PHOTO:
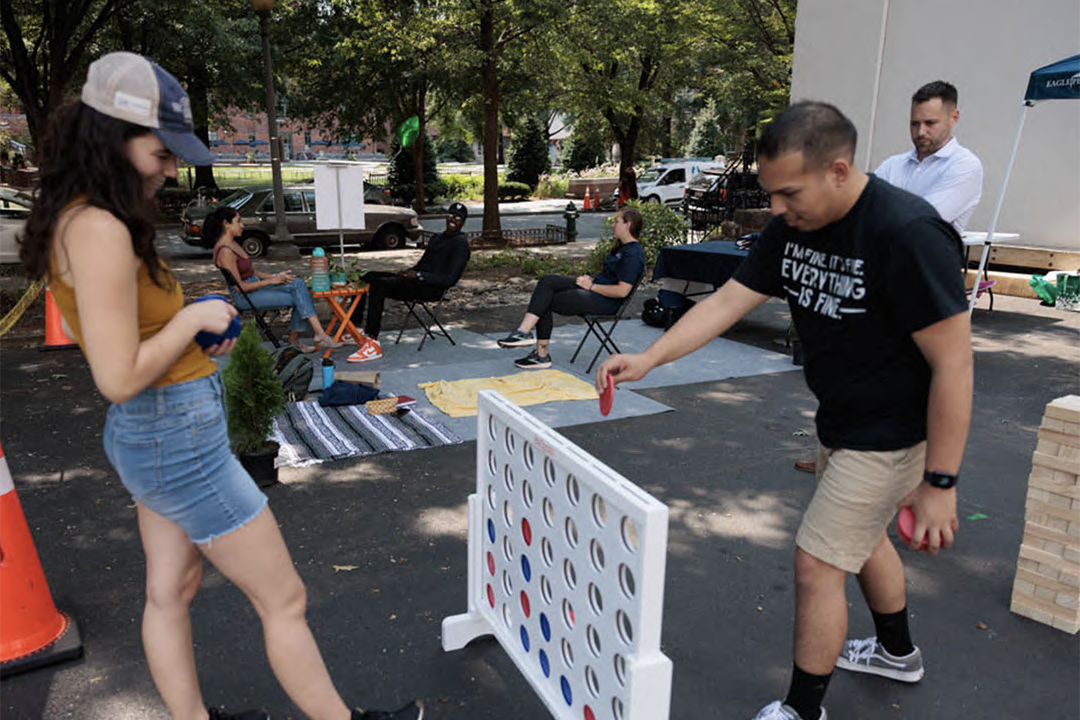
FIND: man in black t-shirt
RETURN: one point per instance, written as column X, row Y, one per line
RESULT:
column 870, row 273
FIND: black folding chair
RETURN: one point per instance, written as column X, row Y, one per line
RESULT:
column 595, row 326
column 258, row 314
column 429, row 307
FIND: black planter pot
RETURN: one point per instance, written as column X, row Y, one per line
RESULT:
column 260, row 465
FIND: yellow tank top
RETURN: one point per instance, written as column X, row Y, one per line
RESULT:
column 156, row 308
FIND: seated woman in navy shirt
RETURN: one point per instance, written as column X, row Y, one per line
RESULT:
column 600, row 295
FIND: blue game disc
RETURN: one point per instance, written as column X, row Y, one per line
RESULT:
column 525, row 638
column 491, row 530
column 544, row 664
column 526, row 569
column 545, row 627
column 206, row 339
column 567, row 695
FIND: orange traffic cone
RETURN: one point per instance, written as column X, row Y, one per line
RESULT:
column 587, row 205
column 55, row 337
column 32, row 632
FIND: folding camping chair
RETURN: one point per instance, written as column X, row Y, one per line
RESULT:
column 595, row 326
column 429, row 307
column 257, row 313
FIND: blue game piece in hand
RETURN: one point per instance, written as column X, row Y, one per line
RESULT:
column 207, row 339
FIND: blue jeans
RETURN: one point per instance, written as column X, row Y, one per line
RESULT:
column 170, row 447
column 294, row 294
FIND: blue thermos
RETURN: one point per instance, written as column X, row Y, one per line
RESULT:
column 327, row 373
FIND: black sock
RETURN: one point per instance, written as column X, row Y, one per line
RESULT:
column 806, row 693
column 892, row 632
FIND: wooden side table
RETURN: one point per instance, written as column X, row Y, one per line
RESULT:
column 343, row 302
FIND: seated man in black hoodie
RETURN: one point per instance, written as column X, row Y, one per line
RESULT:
column 439, row 268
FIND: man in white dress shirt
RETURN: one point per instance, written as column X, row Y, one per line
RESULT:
column 938, row 169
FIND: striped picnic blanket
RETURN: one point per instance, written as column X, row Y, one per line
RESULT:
column 309, row 433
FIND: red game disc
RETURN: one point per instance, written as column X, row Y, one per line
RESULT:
column 905, row 527
column 607, row 396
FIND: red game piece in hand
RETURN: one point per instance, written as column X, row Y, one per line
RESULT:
column 905, row 527
column 607, row 396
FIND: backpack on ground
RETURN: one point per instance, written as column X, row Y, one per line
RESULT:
column 665, row 310
column 295, row 370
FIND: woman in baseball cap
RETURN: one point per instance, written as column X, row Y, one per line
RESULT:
column 91, row 234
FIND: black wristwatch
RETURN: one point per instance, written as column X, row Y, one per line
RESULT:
column 941, row 480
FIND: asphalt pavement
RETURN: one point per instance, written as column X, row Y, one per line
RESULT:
column 396, row 523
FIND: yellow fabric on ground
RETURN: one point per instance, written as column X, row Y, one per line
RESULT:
column 457, row 398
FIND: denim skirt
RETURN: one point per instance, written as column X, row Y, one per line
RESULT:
column 170, row 447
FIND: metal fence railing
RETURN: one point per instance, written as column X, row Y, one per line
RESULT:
column 516, row 237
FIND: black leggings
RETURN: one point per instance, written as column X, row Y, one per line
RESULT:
column 559, row 293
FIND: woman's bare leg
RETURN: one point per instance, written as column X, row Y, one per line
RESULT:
column 173, row 572
column 528, row 322
column 255, row 558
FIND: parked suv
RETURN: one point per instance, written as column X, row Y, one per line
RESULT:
column 387, row 226
column 714, row 195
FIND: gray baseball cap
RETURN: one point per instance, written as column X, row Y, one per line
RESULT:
column 137, row 90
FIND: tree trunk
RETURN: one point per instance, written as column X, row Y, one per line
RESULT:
column 418, row 149
column 489, row 75
column 665, row 145
column 200, row 117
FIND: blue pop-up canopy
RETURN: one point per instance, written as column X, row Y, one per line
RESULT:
column 1057, row 81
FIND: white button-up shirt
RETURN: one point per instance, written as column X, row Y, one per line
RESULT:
column 950, row 180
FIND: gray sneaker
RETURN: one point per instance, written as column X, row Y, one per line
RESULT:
column 777, row 710
column 517, row 339
column 868, row 656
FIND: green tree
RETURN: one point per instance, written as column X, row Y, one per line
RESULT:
column 45, row 48
column 707, row 138
column 529, row 158
column 503, row 35
column 749, row 46
column 364, row 66
column 226, row 73
column 401, row 175
column 585, row 148
column 625, row 62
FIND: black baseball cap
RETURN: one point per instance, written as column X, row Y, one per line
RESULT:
column 458, row 209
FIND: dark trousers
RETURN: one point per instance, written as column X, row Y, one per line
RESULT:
column 382, row 285
column 560, row 294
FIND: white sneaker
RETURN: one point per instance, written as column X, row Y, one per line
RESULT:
column 868, row 656
column 777, row 710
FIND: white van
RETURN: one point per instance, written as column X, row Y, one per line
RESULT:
column 666, row 181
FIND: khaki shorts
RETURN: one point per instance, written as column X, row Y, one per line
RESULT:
column 855, row 500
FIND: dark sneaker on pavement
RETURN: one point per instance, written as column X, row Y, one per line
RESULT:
column 777, row 710
column 412, row 711
column 517, row 339
column 534, row 361
column 868, row 656
column 220, row 714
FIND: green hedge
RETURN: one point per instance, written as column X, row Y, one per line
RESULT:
column 514, row 191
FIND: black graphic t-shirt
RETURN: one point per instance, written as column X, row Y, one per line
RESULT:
column 857, row 289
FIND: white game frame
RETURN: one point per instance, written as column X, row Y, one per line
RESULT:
column 566, row 569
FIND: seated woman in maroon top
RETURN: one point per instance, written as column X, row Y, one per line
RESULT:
column 265, row 291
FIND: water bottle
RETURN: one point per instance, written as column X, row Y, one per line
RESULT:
column 320, row 271
column 327, row 373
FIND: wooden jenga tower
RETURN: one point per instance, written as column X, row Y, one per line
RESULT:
column 1047, row 585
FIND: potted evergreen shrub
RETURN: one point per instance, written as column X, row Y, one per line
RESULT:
column 253, row 396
